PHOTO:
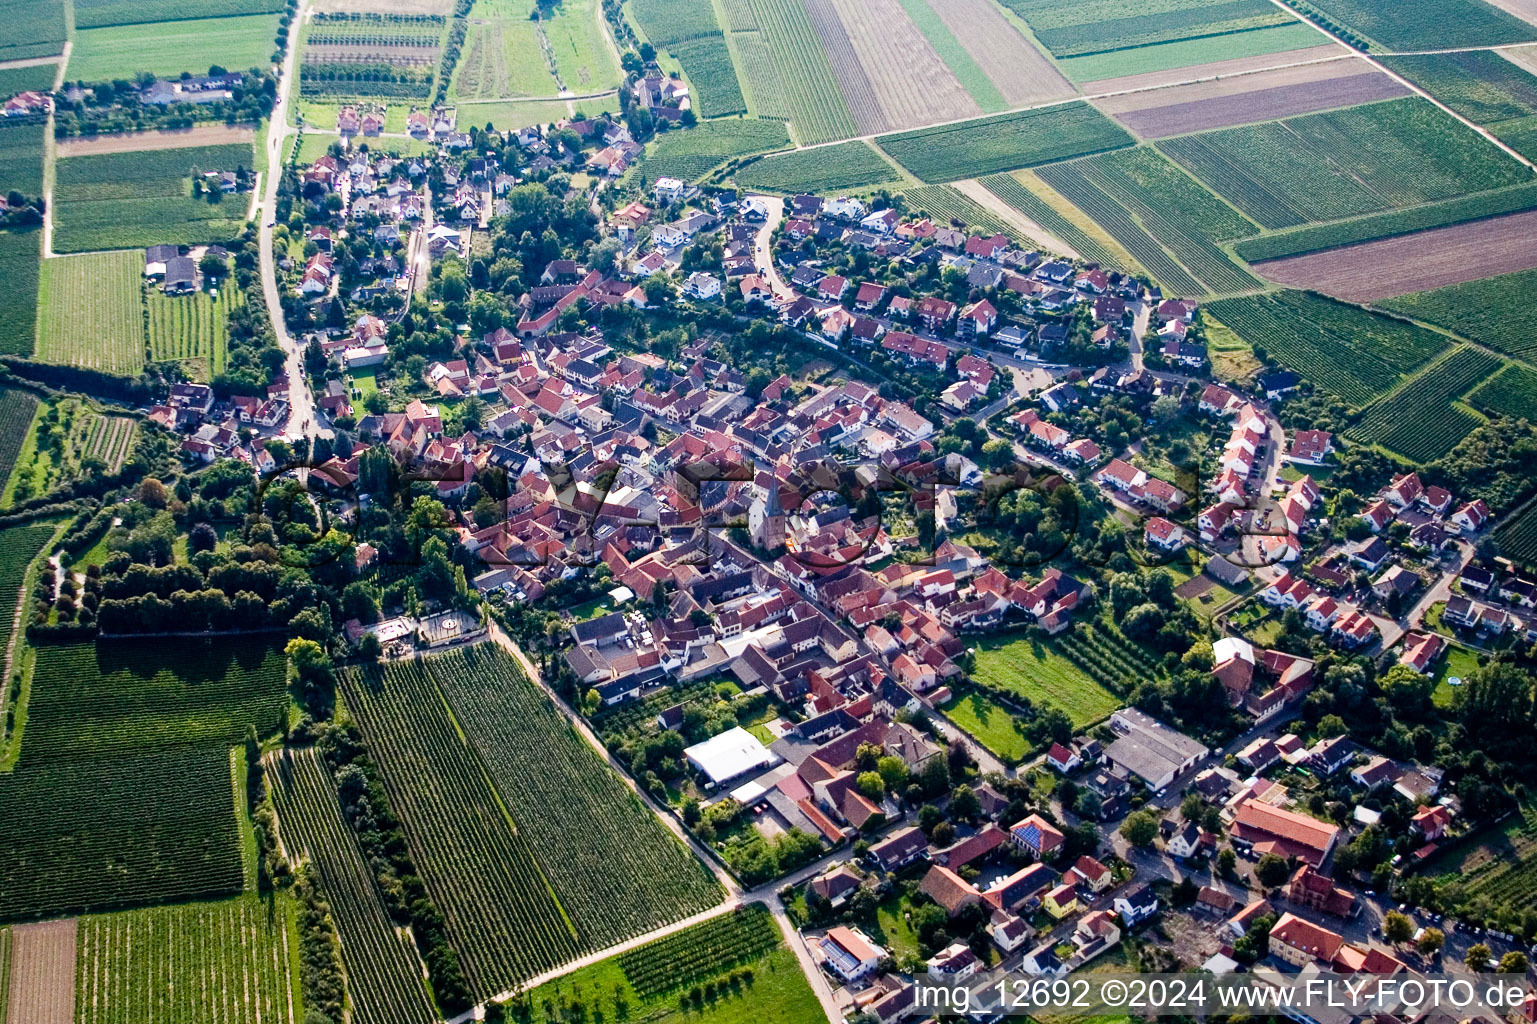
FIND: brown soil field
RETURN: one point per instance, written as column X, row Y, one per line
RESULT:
column 199, row 135
column 1526, row 10
column 858, row 90
column 1414, row 263
column 912, row 86
column 43, row 973
column 1217, row 69
column 1228, row 103
column 1020, row 71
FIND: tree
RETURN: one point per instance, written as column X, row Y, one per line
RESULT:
column 893, row 772
column 1272, row 870
column 1192, row 807
column 1397, row 928
column 1139, row 829
column 1478, row 957
column 1514, row 962
column 1431, row 940
column 202, row 538
column 870, row 784
column 964, row 804
column 1227, row 860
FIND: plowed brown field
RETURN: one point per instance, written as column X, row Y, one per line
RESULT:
column 43, row 973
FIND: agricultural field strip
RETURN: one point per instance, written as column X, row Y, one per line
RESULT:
column 913, row 85
column 1011, row 191
column 1495, row 311
column 836, row 44
column 1518, row 535
column 1417, row 419
column 1016, row 67
column 42, row 984
column 384, row 972
column 91, row 311
column 1511, row 392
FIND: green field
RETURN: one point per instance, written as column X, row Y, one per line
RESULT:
column 1343, row 349
column 1458, row 662
column 1482, row 86
column 1190, row 52
column 139, row 199
column 193, row 327
column 1168, row 222
column 64, row 434
column 990, row 723
column 1343, row 163
column 16, row 411
column 91, row 311
column 233, row 961
column 384, row 981
column 690, row 154
column 20, row 254
column 848, row 165
column 732, row 969
column 1004, row 142
column 582, row 53
column 519, row 890
column 1010, row 190
column 502, row 56
column 1419, row 420
column 19, row 545
column 170, row 47
column 1425, row 24
column 1389, row 224
column 1493, row 311
column 947, row 205
column 1517, row 536
column 1038, row 671
column 955, row 56
column 32, row 28
column 37, row 77
column 117, row 831
column 95, row 13
column 94, row 701
column 1104, row 26
column 21, row 158
column 1511, row 392
column 784, row 66
column 691, row 34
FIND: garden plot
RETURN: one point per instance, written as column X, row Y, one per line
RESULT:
column 1414, row 263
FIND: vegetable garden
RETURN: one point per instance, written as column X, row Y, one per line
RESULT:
column 1344, row 349
column 1004, row 142
column 1419, row 420
column 227, row 961
column 616, row 869
column 384, row 975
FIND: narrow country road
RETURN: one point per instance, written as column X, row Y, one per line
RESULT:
column 301, row 403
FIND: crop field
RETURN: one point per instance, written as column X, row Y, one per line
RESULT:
column 501, row 914
column 1482, row 86
column 616, row 869
column 582, row 54
column 5, row 969
column 21, row 158
column 796, row 74
column 990, row 723
column 502, row 56
column 1343, row 163
column 731, row 969
column 64, row 434
column 95, row 13
column 19, row 545
column 1100, row 26
column 117, row 831
column 1157, row 213
column 1412, row 24
column 1039, row 671
column 26, row 76
column 1492, row 311
column 384, row 980
column 1245, row 99
column 1011, row 191
column 940, row 33
column 1004, row 142
column 1343, row 349
column 91, row 311
column 1511, row 392
column 139, row 199
column 96, row 700
column 42, row 982
column 1419, row 420
column 690, row 155
column 1414, row 263
column 33, row 28
column 1014, row 67
column 1287, row 41
column 849, row 165
column 1499, row 864
column 168, row 48
column 192, row 327
column 16, row 411
column 945, row 205
column 1517, row 536
column 1316, row 238
column 707, row 63
column 20, row 255
column 228, row 961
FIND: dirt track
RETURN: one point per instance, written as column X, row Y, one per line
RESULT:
column 1236, row 66
column 1263, row 96
column 202, row 135
column 1414, row 263
column 43, row 973
column 1021, row 72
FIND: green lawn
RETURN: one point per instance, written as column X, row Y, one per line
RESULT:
column 1036, row 670
column 990, row 723
column 892, row 932
column 1458, row 662
column 171, row 47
